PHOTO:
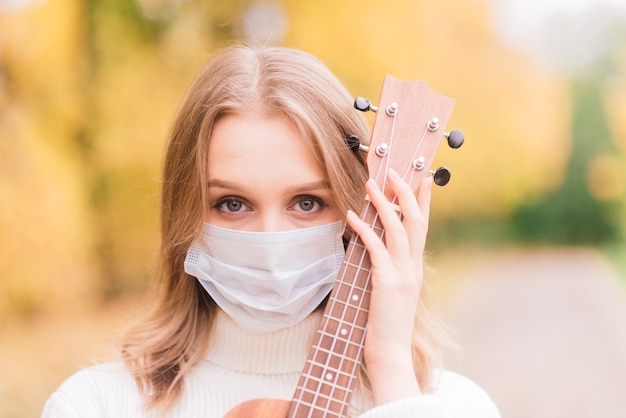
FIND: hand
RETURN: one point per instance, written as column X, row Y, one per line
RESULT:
column 397, row 276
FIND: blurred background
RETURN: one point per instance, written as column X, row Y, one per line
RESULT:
column 527, row 241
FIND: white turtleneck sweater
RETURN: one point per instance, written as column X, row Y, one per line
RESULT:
column 240, row 366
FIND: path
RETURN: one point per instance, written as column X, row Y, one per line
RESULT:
column 544, row 332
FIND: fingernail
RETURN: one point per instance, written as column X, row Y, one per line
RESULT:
column 393, row 173
column 373, row 184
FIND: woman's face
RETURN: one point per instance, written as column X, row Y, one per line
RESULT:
column 263, row 177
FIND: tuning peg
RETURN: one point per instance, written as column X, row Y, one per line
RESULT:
column 364, row 105
column 455, row 138
column 441, row 176
column 354, row 142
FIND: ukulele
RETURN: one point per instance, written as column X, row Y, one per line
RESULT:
column 405, row 136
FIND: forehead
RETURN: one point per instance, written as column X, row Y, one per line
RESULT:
column 261, row 149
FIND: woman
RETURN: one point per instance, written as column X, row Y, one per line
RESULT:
column 258, row 185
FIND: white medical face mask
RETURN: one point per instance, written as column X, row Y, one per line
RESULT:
column 266, row 281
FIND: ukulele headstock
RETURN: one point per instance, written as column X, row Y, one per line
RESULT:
column 409, row 125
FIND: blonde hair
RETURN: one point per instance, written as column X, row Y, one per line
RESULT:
column 173, row 337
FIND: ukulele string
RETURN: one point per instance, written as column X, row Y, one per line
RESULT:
column 386, row 170
column 368, row 206
column 408, row 174
column 410, row 171
column 354, row 292
column 357, row 241
column 333, row 301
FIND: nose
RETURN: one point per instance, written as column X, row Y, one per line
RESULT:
column 272, row 221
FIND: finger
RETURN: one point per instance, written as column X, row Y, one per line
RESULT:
column 424, row 194
column 395, row 234
column 414, row 210
column 405, row 195
column 373, row 244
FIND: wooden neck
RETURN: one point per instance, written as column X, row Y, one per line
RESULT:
column 327, row 381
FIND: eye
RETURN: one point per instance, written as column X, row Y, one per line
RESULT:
column 309, row 204
column 231, row 205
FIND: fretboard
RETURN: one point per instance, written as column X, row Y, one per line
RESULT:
column 327, row 381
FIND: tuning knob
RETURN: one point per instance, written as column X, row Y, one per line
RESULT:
column 441, row 176
column 364, row 105
column 455, row 138
column 354, row 142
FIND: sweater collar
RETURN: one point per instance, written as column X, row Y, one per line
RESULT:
column 282, row 351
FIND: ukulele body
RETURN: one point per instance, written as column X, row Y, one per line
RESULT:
column 260, row 408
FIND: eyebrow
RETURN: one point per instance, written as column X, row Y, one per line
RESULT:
column 306, row 187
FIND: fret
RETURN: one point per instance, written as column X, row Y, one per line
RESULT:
column 327, row 375
column 358, row 244
column 333, row 325
column 348, row 313
column 345, row 294
column 341, row 329
column 328, row 398
column 356, row 295
column 311, row 399
column 337, row 347
column 352, row 313
column 359, row 267
column 339, row 354
column 330, row 393
column 357, row 307
column 352, row 267
column 370, row 216
column 340, row 347
column 350, row 340
column 333, row 344
column 335, row 356
column 312, row 382
column 336, row 371
column 321, row 378
column 344, row 331
column 350, row 333
column 316, row 406
column 349, row 294
column 333, row 384
column 307, row 396
column 379, row 229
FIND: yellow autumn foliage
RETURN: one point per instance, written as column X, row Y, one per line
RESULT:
column 513, row 111
column 86, row 101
